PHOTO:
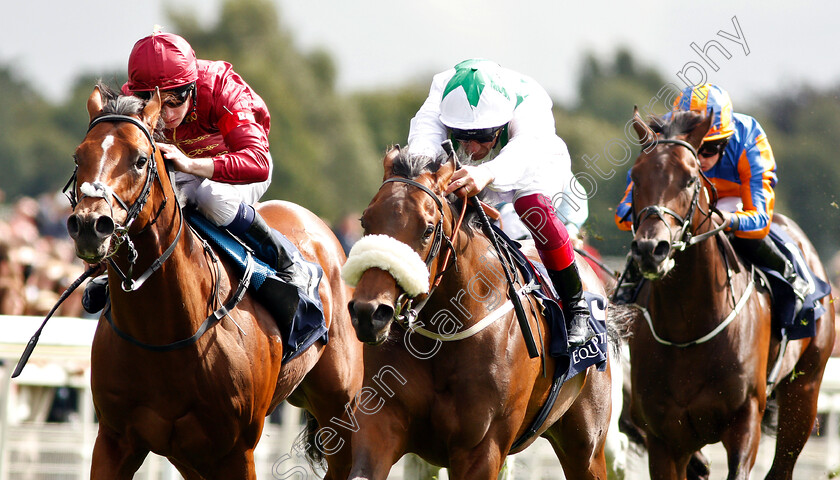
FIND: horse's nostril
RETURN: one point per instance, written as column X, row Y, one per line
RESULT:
column 104, row 226
column 73, row 226
column 662, row 249
column 383, row 313
column 634, row 248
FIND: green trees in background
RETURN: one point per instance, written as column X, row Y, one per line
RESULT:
column 328, row 146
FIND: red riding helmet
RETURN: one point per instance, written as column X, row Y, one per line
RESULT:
column 163, row 60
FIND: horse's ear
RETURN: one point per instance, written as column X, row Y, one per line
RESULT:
column 695, row 138
column 388, row 162
column 644, row 132
column 444, row 173
column 94, row 103
column 151, row 112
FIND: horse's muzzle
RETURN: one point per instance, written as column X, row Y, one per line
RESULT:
column 91, row 231
column 651, row 255
column 371, row 320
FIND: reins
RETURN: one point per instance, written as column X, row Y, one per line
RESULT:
column 406, row 315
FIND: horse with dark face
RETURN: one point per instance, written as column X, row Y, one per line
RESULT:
column 173, row 374
column 700, row 363
column 460, row 390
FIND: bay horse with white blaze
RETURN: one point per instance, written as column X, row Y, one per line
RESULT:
column 202, row 402
column 456, row 395
column 701, row 361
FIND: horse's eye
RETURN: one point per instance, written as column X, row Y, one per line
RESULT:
column 430, row 229
column 141, row 161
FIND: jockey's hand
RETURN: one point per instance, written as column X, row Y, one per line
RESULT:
column 726, row 218
column 202, row 167
column 469, row 180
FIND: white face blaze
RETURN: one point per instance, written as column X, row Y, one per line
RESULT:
column 391, row 255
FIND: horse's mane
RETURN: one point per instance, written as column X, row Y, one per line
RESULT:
column 411, row 165
column 115, row 103
column 677, row 123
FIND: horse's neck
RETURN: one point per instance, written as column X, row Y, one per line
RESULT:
column 178, row 290
column 475, row 286
column 698, row 282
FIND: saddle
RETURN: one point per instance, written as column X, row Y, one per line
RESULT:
column 788, row 322
column 300, row 325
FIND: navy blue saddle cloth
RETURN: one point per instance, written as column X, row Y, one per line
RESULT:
column 568, row 362
column 308, row 325
column 800, row 324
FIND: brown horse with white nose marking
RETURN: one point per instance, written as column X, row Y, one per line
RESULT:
column 460, row 393
column 699, row 365
column 199, row 387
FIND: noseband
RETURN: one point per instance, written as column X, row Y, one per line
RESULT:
column 685, row 237
column 120, row 234
column 404, row 303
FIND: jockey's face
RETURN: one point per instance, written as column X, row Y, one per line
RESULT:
column 173, row 113
column 706, row 163
column 478, row 150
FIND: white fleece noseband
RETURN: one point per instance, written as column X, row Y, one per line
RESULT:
column 391, row 255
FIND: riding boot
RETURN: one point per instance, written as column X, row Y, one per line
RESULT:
column 279, row 294
column 629, row 283
column 764, row 252
column 570, row 289
column 96, row 294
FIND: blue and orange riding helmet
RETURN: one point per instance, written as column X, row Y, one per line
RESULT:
column 710, row 100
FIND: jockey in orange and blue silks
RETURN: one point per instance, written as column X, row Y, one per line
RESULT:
column 736, row 157
column 504, row 120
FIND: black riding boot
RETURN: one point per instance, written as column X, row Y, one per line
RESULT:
column 278, row 294
column 763, row 252
column 570, row 289
column 628, row 286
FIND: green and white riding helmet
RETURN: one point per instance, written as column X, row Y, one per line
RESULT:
column 475, row 98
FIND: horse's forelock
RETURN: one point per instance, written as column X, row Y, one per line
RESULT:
column 412, row 165
column 115, row 103
column 679, row 123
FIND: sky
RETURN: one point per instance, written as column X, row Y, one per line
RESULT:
column 758, row 48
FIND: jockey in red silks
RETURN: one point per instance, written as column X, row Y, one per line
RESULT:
column 216, row 138
column 485, row 107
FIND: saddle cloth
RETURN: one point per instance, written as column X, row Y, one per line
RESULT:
column 308, row 325
column 800, row 324
column 568, row 362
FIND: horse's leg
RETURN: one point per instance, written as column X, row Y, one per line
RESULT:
column 113, row 459
column 579, row 436
column 663, row 464
column 483, row 462
column 797, row 398
column 237, row 464
column 741, row 440
column 377, row 444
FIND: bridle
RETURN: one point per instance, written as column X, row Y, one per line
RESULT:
column 686, row 239
column 405, row 311
column 685, row 236
column 121, row 232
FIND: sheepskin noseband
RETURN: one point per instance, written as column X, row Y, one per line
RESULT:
column 391, row 255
